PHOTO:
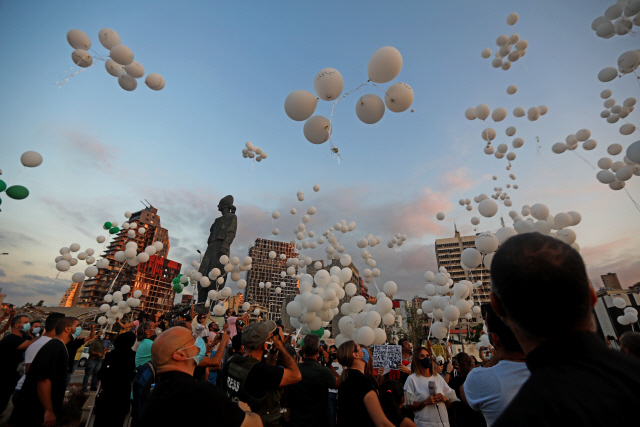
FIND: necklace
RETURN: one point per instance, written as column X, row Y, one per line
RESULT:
column 65, row 346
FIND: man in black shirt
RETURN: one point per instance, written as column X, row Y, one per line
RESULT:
column 73, row 346
column 40, row 400
column 12, row 349
column 256, row 382
column 309, row 399
column 178, row 399
column 575, row 379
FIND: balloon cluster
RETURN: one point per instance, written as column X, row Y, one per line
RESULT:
column 505, row 56
column 115, row 306
column 447, row 302
column 65, row 261
column 624, row 17
column 120, row 63
column 29, row 159
column 385, row 65
column 398, row 240
column 628, row 62
column 614, row 112
column 252, row 152
column 488, row 134
column 572, row 141
column 630, row 314
column 617, row 173
column 131, row 255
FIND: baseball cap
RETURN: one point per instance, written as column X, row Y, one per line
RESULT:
column 439, row 359
column 255, row 334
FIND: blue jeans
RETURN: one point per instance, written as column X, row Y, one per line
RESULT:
column 93, row 366
column 333, row 407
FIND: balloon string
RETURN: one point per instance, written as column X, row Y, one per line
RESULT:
column 76, row 73
column 585, row 160
column 634, row 202
column 14, row 177
column 54, row 280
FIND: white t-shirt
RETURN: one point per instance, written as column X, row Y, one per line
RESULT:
column 338, row 368
column 490, row 390
column 30, row 354
column 417, row 389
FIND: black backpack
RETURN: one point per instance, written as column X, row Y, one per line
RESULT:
column 143, row 383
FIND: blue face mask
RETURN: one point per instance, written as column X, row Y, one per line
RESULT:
column 77, row 333
column 201, row 354
column 26, row 327
column 36, row 331
column 366, row 355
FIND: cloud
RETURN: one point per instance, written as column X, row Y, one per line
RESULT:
column 2, row 273
column 619, row 256
column 16, row 239
column 33, row 288
column 88, row 146
column 27, row 262
column 456, row 181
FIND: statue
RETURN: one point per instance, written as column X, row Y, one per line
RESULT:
column 223, row 231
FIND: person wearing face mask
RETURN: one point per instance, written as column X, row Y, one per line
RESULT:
column 358, row 402
column 175, row 354
column 30, row 354
column 34, row 331
column 12, row 349
column 39, row 403
column 146, row 336
column 74, row 346
column 427, row 392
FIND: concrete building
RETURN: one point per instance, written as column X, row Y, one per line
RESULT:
column 448, row 252
column 610, row 281
column 266, row 270
column 153, row 277
column 70, row 297
column 235, row 302
column 607, row 314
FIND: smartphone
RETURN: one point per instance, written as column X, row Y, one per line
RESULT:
column 432, row 388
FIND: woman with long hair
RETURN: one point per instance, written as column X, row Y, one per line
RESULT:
column 427, row 392
column 392, row 402
column 358, row 403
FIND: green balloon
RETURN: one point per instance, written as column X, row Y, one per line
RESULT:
column 17, row 192
column 107, row 225
column 180, row 275
column 114, row 230
column 318, row 332
column 0, row 201
column 3, row 186
column 176, row 281
column 177, row 288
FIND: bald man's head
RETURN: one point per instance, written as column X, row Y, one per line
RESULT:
column 164, row 351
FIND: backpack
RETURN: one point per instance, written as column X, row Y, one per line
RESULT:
column 143, row 383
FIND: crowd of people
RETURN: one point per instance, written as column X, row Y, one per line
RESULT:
column 541, row 369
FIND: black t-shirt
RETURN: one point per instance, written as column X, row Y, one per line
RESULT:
column 72, row 347
column 351, row 408
column 10, row 358
column 309, row 399
column 179, row 400
column 50, row 363
column 576, row 381
column 262, row 378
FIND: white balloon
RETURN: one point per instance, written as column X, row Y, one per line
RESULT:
column 619, row 302
column 398, row 97
column 440, row 216
column 439, row 330
column 614, row 149
column 127, row 82
column 510, row 131
column 108, row 38
column 487, row 209
column 489, row 134
column 482, row 111
column 370, row 108
column 633, row 152
column 470, row 113
column 627, row 129
column 512, row 89
column 486, row 53
column 540, row 211
column 566, row 235
column 486, row 242
column 328, row 84
column 512, row 18
column 121, row 54
column 155, row 81
column 317, row 129
column 91, row 271
column 78, row 39
column 471, row 257
column 81, row 58
column 499, row 114
column 32, row 159
column 135, row 69
column 384, row 65
column 77, row 277
column 607, row 74
column 300, row 105
column 589, row 145
column 606, row 176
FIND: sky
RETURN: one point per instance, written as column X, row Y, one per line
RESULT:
column 228, row 67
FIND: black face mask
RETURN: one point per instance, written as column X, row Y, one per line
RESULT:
column 426, row 363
